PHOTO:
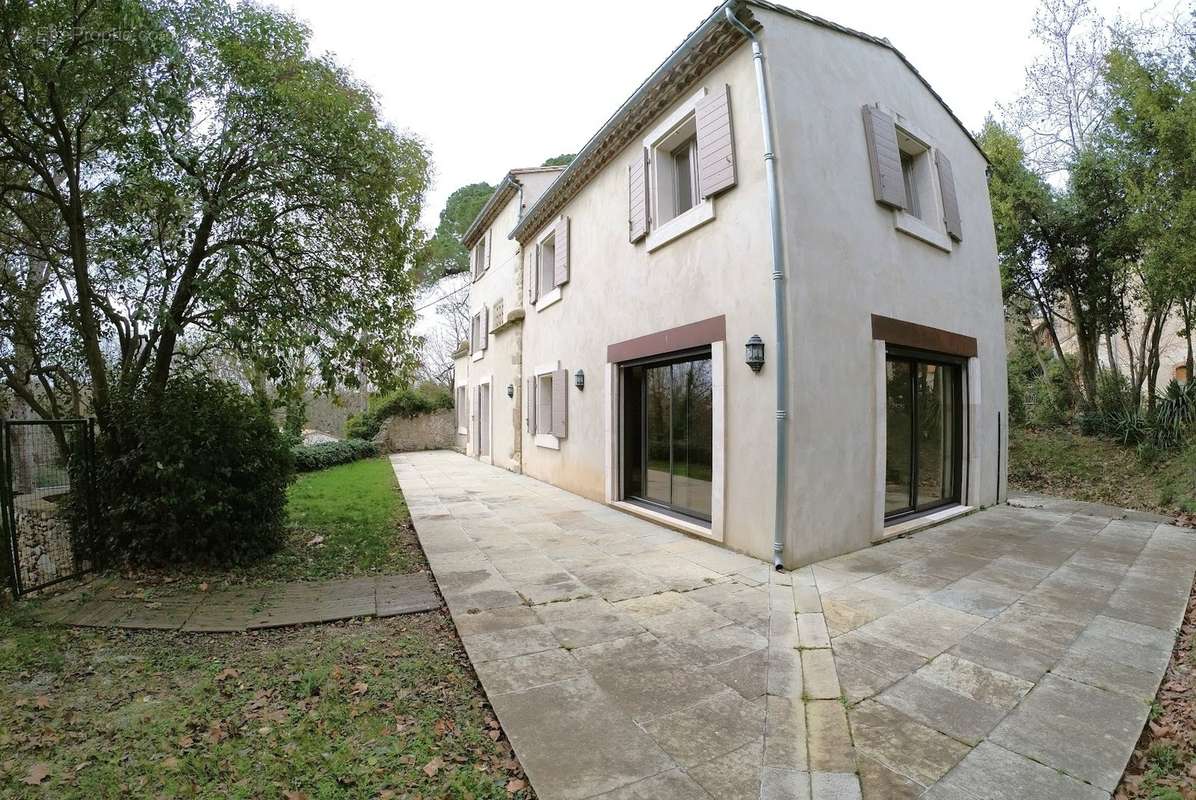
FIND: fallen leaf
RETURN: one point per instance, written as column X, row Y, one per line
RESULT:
column 216, row 734
column 443, row 727
column 495, row 734
column 228, row 672
column 203, row 587
column 433, row 766
column 170, row 762
column 186, row 742
column 359, row 689
column 41, row 701
column 37, row 773
column 294, row 796
column 515, row 785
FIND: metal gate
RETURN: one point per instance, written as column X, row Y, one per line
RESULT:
column 47, row 500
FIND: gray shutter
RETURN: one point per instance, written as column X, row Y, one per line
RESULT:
column 560, row 269
column 473, row 333
column 484, row 327
column 716, row 144
column 888, row 185
column 489, row 247
column 950, row 200
column 560, row 403
column 637, row 198
column 533, row 274
column 477, row 422
column 529, row 400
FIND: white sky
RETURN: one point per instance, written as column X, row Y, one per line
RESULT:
column 494, row 85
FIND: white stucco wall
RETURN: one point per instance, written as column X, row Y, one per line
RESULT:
column 847, row 262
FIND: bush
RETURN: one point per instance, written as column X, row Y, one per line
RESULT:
column 406, row 402
column 1050, row 400
column 199, row 474
column 312, row 457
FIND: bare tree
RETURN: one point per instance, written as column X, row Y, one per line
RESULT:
column 449, row 326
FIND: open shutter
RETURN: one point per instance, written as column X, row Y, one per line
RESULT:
column 533, row 274
column 475, row 437
column 888, row 185
column 560, row 403
column 716, row 145
column 637, row 198
column 529, row 401
column 560, row 270
column 484, row 328
column 950, row 200
column 489, row 247
column 473, row 333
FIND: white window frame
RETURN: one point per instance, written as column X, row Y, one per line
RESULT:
column 546, row 298
column 546, row 440
column 661, row 142
column 488, row 382
column 478, row 256
column 476, row 321
column 928, row 225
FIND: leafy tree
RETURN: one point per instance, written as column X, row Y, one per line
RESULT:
column 446, row 254
column 562, row 160
column 190, row 179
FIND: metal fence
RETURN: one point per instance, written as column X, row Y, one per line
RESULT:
column 47, row 500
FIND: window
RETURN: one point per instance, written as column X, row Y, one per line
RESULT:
column 676, row 160
column 548, row 405
column 462, row 410
column 544, row 403
column 915, row 174
column 479, row 257
column 923, row 428
column 477, row 333
column 545, row 266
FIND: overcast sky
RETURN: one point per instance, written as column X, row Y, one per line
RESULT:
column 491, row 85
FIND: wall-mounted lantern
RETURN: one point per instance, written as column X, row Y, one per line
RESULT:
column 579, row 379
column 754, row 357
column 510, row 390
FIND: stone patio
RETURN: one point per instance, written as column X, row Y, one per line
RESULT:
column 116, row 603
column 1011, row 653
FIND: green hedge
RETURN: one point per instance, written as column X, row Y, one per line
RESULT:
column 407, row 402
column 312, row 457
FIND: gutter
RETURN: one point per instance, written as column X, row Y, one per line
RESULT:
column 778, row 293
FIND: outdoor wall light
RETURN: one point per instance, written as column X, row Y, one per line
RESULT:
column 579, row 379
column 510, row 390
column 755, row 353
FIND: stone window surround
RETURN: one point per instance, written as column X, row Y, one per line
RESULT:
column 546, row 440
column 661, row 233
column 930, row 228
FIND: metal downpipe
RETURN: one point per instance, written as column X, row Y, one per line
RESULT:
column 778, row 294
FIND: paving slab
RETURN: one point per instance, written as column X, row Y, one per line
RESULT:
column 995, row 773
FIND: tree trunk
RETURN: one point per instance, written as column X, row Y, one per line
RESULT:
column 1186, row 306
column 1113, row 365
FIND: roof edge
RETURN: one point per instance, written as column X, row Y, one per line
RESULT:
column 502, row 193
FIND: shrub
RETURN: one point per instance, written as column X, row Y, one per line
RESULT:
column 198, row 474
column 1050, row 399
column 406, row 402
column 311, row 457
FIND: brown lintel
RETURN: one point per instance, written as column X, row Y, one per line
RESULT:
column 922, row 337
column 695, row 334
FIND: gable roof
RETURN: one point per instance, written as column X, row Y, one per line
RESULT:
column 503, row 192
column 707, row 45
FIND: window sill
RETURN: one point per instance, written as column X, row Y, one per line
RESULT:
column 548, row 299
column 548, row 441
column 912, row 226
column 922, row 522
column 479, row 355
column 680, row 225
column 668, row 520
column 462, row 431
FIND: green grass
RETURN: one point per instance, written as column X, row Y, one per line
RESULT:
column 1065, row 463
column 360, row 709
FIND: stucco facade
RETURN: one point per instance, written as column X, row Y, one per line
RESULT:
column 847, row 262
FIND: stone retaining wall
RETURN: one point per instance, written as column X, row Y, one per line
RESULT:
column 435, row 431
column 44, row 542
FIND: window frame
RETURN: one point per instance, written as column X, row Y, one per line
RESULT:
column 677, row 129
column 546, row 296
column 478, row 256
column 927, row 224
column 542, row 375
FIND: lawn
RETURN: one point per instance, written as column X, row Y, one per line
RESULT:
column 1065, row 463
column 362, row 709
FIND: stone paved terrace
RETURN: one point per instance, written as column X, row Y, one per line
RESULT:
column 1009, row 654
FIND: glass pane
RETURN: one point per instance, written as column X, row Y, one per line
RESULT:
column 899, row 410
column 693, row 435
column 658, row 434
column 683, row 177
column 936, row 432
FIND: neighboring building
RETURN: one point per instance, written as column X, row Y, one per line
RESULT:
column 630, row 286
column 1173, row 346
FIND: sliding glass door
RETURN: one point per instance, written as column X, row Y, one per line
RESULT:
column 924, row 431
column 668, row 434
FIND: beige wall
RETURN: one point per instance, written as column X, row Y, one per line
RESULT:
column 845, row 260
column 434, row 431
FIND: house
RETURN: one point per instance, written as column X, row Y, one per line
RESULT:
column 768, row 319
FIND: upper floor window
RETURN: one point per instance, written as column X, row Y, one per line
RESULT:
column 546, row 265
column 676, row 158
column 915, row 174
column 479, row 257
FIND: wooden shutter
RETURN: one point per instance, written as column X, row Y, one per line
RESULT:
column 473, row 333
column 560, row 269
column 533, row 276
column 560, row 403
column 477, row 422
column 637, row 198
column 888, row 185
column 484, row 328
column 950, row 200
column 716, row 144
column 489, row 247
column 529, row 400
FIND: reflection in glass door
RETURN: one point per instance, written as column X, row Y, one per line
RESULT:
column 669, row 433
column 923, row 432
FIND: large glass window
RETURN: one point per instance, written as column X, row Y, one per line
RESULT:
column 668, row 434
column 923, row 431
